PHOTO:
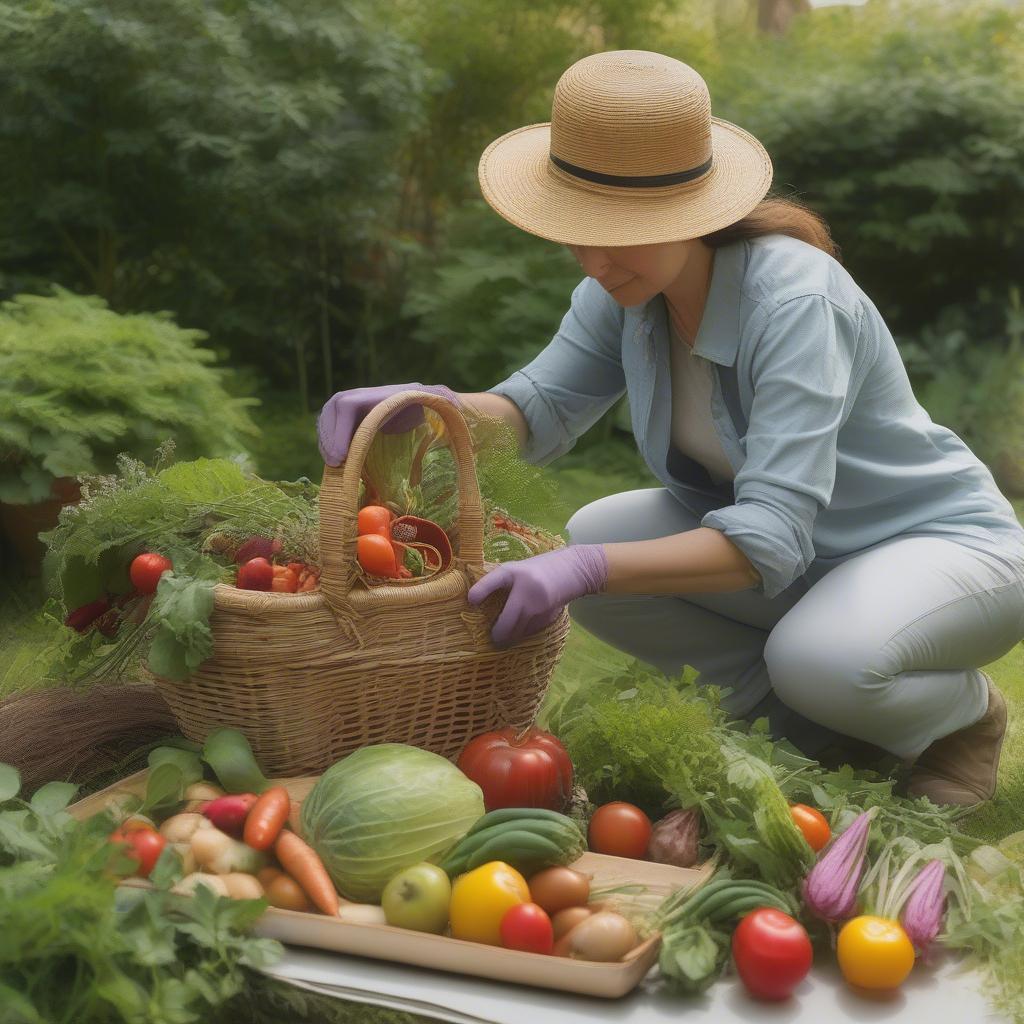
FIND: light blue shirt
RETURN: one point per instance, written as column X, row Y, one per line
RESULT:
column 811, row 402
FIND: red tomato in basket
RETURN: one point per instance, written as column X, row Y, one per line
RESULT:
column 375, row 519
column 146, row 570
column 256, row 574
column 377, row 555
column 284, row 581
column 530, row 769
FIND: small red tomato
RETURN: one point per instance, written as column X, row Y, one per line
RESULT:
column 527, row 927
column 621, row 830
column 813, row 824
column 375, row 519
column 142, row 845
column 772, row 953
column 256, row 574
column 146, row 570
column 377, row 555
column 285, row 581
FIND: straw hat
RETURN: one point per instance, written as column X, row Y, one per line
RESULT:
column 631, row 156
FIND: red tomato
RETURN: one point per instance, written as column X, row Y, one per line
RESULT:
column 528, row 928
column 772, row 953
column 813, row 824
column 256, row 574
column 284, row 580
column 142, row 845
column 620, row 829
column 377, row 555
column 530, row 769
column 146, row 570
column 375, row 519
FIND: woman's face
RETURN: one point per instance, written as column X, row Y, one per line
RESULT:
column 634, row 274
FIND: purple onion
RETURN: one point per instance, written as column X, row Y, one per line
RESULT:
column 830, row 890
column 926, row 903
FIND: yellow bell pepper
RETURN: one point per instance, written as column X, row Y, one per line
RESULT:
column 480, row 899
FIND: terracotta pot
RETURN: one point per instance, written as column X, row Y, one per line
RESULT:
column 23, row 523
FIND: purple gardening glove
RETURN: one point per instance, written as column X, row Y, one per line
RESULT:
column 343, row 412
column 540, row 587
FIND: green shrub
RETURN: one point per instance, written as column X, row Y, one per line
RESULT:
column 80, row 383
column 900, row 122
column 975, row 386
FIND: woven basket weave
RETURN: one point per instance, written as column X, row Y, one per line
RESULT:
column 308, row 678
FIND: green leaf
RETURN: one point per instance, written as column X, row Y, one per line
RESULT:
column 18, row 1009
column 205, row 480
column 183, row 640
column 165, row 789
column 168, row 868
column 16, row 837
column 52, row 798
column 167, row 656
column 10, row 782
column 186, row 761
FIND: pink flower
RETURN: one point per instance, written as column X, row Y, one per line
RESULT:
column 926, row 903
column 830, row 890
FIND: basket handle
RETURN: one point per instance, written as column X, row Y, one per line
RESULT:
column 339, row 514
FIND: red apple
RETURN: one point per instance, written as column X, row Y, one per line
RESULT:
column 256, row 574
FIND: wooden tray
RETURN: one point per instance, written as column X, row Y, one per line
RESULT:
column 383, row 942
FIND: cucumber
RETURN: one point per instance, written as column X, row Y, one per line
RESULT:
column 549, row 838
column 707, row 904
column 524, row 851
column 742, row 905
column 691, row 907
column 506, row 814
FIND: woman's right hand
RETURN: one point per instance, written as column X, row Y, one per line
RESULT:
column 343, row 412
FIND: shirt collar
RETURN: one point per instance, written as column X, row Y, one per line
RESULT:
column 718, row 337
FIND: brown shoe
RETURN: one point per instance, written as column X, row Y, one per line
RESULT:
column 961, row 768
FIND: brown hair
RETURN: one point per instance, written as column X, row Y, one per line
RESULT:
column 776, row 215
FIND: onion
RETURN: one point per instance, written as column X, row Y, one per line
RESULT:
column 554, row 889
column 242, row 886
column 604, row 937
column 565, row 920
column 187, row 886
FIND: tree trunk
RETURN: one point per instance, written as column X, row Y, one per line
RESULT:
column 325, row 327
column 301, row 370
column 774, row 16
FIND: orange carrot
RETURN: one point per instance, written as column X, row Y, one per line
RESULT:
column 301, row 862
column 267, row 817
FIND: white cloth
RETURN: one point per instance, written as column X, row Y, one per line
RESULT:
column 693, row 430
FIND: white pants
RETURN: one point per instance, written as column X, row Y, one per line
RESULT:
column 883, row 645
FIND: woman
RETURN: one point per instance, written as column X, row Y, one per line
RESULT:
column 819, row 545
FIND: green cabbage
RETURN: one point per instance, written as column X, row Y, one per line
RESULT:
column 385, row 808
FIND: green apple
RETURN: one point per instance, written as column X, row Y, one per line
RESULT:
column 418, row 898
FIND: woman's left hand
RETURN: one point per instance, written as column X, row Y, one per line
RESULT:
column 540, row 587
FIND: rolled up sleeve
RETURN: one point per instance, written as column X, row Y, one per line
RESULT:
column 807, row 366
column 575, row 379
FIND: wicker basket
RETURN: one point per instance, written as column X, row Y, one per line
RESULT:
column 311, row 677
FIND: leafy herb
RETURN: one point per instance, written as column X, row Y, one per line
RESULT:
column 72, row 948
column 181, row 612
column 660, row 744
